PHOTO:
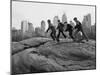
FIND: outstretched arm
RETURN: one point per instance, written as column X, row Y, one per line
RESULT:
column 47, row 29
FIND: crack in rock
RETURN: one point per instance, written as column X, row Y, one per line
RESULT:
column 28, row 46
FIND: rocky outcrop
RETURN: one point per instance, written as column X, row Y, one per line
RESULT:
column 44, row 55
column 16, row 47
column 25, row 44
column 28, row 62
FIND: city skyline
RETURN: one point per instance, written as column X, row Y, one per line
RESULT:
column 36, row 12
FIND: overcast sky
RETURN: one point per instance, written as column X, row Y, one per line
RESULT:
column 35, row 12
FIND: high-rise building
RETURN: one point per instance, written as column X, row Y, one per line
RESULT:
column 43, row 25
column 27, row 29
column 38, row 31
column 24, row 26
column 86, row 24
column 87, row 20
column 30, row 27
column 43, row 28
column 93, row 31
column 64, row 18
column 55, row 21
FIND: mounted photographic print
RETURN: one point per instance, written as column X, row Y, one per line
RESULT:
column 52, row 37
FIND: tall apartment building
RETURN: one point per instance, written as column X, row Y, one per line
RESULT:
column 55, row 21
column 86, row 24
column 64, row 18
column 24, row 26
column 87, row 20
column 30, row 27
column 43, row 25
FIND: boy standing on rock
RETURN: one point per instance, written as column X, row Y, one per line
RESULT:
column 60, row 30
column 79, row 28
column 69, row 29
column 53, row 30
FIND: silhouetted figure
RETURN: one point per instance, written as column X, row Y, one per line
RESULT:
column 53, row 30
column 69, row 29
column 79, row 28
column 60, row 30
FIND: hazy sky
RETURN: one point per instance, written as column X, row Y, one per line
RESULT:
column 35, row 12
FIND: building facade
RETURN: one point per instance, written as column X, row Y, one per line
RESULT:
column 30, row 27
column 55, row 21
column 86, row 24
column 24, row 26
column 64, row 18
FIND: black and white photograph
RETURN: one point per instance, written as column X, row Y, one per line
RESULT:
column 52, row 37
